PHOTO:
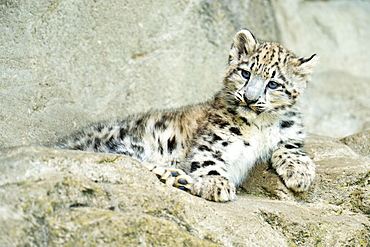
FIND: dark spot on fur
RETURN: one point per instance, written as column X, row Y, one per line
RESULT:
column 97, row 144
column 181, row 127
column 208, row 163
column 213, row 172
column 218, row 155
column 246, row 143
column 223, row 124
column 225, row 144
column 138, row 122
column 290, row 114
column 245, row 121
column 122, row 134
column 161, row 124
column 111, row 144
column 171, row 144
column 194, row 166
column 204, row 148
column 88, row 142
column 220, row 159
column 220, row 122
column 289, row 146
column 286, row 124
column 251, row 68
column 299, row 145
column 138, row 149
column 235, row 130
column 78, row 147
column 216, row 138
column 160, row 147
column 219, row 192
column 232, row 111
column 273, row 73
column 99, row 128
column 136, row 139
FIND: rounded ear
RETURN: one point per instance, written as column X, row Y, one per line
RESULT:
column 304, row 65
column 244, row 43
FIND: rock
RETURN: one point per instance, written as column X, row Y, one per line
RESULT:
column 67, row 64
column 359, row 142
column 58, row 197
column 337, row 98
column 52, row 197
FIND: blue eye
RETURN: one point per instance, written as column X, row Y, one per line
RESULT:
column 246, row 74
column 273, row 85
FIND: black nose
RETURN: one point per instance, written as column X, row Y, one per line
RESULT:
column 250, row 101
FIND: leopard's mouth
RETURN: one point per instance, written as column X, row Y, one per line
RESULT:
column 252, row 109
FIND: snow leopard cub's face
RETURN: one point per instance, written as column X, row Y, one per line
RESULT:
column 264, row 76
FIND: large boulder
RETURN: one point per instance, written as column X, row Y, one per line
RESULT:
column 66, row 64
column 51, row 197
column 338, row 102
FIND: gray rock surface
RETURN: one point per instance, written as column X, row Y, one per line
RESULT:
column 338, row 102
column 51, row 197
column 66, row 64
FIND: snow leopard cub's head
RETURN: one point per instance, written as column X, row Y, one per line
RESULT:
column 264, row 76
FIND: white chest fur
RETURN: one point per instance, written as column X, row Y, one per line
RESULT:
column 255, row 144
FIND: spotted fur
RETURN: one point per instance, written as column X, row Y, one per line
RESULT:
column 210, row 148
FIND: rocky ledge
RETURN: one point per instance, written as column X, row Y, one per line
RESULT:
column 51, row 197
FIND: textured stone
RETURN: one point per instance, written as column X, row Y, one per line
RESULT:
column 338, row 102
column 67, row 64
column 359, row 142
column 51, row 197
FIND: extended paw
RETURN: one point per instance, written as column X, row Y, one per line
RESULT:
column 213, row 188
column 171, row 176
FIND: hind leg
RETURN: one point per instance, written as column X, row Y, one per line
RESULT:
column 171, row 176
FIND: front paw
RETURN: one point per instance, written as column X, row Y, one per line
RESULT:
column 171, row 176
column 297, row 174
column 213, row 188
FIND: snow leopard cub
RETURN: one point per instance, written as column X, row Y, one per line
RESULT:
column 208, row 149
